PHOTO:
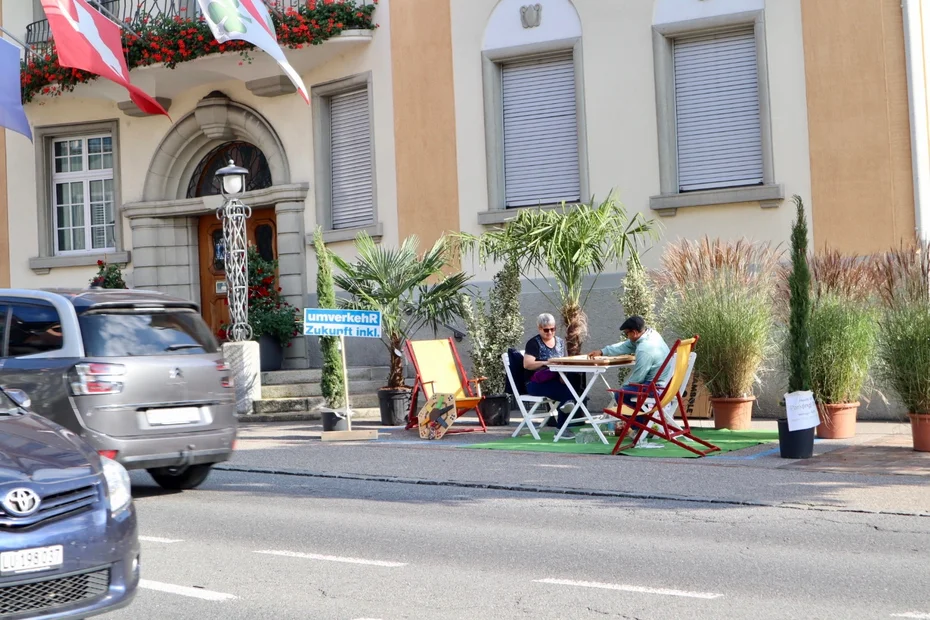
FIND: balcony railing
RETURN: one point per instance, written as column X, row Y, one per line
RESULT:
column 38, row 33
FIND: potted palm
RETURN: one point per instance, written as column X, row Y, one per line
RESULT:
column 331, row 383
column 411, row 291
column 564, row 248
column 842, row 338
column 902, row 278
column 723, row 293
column 494, row 327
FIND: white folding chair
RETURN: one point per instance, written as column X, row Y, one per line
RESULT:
column 541, row 408
column 668, row 412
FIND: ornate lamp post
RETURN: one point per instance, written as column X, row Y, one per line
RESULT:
column 233, row 214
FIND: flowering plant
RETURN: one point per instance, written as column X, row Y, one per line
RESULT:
column 109, row 275
column 269, row 315
column 173, row 39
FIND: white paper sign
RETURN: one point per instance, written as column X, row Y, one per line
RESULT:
column 802, row 411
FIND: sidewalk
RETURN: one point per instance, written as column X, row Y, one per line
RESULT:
column 876, row 471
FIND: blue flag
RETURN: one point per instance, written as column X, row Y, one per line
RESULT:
column 12, row 115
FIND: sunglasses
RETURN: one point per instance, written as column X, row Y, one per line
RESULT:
column 547, row 329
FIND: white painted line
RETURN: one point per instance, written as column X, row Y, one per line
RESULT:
column 200, row 593
column 333, row 558
column 625, row 588
column 157, row 539
column 912, row 614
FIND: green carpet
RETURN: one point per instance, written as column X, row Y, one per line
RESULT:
column 726, row 440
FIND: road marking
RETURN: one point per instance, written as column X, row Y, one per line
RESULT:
column 333, row 558
column 207, row 595
column 167, row 541
column 912, row 614
column 625, row 588
column 559, row 466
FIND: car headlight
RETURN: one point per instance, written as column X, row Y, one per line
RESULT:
column 119, row 488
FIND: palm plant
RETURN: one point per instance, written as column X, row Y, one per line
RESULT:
column 410, row 291
column 563, row 247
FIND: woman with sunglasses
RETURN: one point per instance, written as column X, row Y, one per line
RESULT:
column 540, row 381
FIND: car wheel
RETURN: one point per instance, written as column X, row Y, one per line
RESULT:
column 190, row 478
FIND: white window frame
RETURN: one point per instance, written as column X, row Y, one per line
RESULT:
column 47, row 259
column 85, row 176
column 770, row 194
column 492, row 63
column 321, row 96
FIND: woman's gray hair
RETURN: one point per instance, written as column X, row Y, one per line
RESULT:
column 545, row 319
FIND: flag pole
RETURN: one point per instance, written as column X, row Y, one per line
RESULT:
column 106, row 13
column 19, row 42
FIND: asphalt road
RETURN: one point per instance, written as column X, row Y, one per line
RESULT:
column 258, row 545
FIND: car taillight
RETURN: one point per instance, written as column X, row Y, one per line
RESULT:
column 225, row 380
column 110, row 454
column 97, row 379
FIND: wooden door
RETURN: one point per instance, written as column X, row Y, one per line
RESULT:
column 261, row 230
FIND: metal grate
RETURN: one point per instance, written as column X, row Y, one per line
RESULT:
column 52, row 506
column 48, row 594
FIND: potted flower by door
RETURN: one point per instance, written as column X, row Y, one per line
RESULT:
column 495, row 326
column 902, row 278
column 411, row 291
column 723, row 293
column 109, row 275
column 273, row 320
column 842, row 336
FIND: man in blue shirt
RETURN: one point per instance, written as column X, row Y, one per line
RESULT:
column 650, row 350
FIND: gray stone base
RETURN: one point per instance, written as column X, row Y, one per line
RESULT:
column 244, row 361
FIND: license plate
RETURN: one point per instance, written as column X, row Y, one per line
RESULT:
column 30, row 560
column 167, row 417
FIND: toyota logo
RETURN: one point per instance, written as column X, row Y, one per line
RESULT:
column 21, row 502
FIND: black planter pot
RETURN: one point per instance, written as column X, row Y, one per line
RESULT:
column 795, row 444
column 333, row 422
column 495, row 409
column 271, row 353
column 395, row 405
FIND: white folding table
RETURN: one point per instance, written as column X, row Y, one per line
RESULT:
column 597, row 371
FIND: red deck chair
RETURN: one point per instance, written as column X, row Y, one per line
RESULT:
column 656, row 423
column 439, row 371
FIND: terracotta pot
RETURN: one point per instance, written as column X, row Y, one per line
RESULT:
column 733, row 413
column 837, row 420
column 920, row 430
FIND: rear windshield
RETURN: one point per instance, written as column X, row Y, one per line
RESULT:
column 130, row 333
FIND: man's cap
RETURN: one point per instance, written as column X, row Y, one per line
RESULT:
column 635, row 323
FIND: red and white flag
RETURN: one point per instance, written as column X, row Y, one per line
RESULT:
column 88, row 41
column 249, row 21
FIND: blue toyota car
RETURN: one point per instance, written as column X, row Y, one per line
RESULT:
column 69, row 546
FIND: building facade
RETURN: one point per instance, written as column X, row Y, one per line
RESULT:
column 707, row 115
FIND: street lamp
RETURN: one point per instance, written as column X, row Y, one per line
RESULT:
column 233, row 214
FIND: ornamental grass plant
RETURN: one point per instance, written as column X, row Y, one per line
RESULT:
column 723, row 292
column 843, row 327
column 902, row 279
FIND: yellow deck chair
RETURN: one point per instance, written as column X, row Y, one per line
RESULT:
column 655, row 419
column 439, row 371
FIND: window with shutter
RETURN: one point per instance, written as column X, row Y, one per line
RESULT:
column 350, row 156
column 540, row 131
column 717, row 110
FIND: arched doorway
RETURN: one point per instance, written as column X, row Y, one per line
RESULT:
column 261, row 227
column 175, row 233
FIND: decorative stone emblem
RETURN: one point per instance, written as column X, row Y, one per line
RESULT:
column 531, row 15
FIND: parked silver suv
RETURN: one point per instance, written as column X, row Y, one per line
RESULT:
column 137, row 374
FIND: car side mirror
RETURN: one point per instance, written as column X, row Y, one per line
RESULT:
column 19, row 397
